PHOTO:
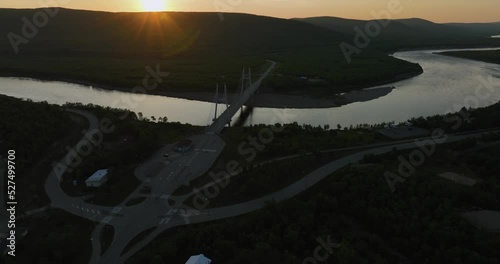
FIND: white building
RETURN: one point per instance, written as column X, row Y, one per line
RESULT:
column 199, row 259
column 97, row 179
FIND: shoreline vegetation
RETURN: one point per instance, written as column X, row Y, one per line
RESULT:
column 489, row 56
column 57, row 129
column 266, row 97
column 111, row 50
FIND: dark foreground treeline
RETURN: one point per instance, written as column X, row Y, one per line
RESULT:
column 420, row 222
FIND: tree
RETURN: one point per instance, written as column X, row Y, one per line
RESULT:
column 157, row 259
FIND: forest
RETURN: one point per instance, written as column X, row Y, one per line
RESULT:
column 419, row 223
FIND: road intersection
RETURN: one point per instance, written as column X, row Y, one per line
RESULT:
column 160, row 177
column 158, row 213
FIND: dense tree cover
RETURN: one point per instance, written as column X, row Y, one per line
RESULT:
column 57, row 238
column 29, row 128
column 337, row 74
column 292, row 138
column 419, row 223
column 255, row 182
column 133, row 140
column 112, row 51
column 492, row 56
column 414, row 33
column 463, row 119
column 485, row 161
column 32, row 130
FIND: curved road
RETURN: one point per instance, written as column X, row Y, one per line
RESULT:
column 58, row 198
column 286, row 193
column 129, row 221
column 132, row 220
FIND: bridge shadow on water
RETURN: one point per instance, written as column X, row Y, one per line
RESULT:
column 247, row 111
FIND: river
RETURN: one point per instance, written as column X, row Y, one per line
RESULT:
column 446, row 84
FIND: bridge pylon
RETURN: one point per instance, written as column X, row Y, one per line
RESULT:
column 246, row 81
column 218, row 100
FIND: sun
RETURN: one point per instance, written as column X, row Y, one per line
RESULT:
column 153, row 5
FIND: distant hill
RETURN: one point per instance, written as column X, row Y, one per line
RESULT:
column 412, row 32
column 395, row 28
column 166, row 33
column 111, row 50
column 485, row 29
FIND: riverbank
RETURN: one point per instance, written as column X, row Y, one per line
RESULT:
column 265, row 97
column 278, row 100
column 489, row 56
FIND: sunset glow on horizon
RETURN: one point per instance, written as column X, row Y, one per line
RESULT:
column 153, row 5
column 437, row 11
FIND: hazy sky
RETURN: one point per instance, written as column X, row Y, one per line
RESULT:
column 434, row 10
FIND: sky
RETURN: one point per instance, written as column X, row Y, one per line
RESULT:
column 434, row 10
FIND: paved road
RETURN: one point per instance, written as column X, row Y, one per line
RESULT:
column 306, row 182
column 59, row 199
column 286, row 193
column 160, row 175
column 163, row 176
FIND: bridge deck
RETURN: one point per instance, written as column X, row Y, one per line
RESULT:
column 217, row 126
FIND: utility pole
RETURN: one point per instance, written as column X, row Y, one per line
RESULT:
column 216, row 100
column 246, row 81
column 227, row 104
